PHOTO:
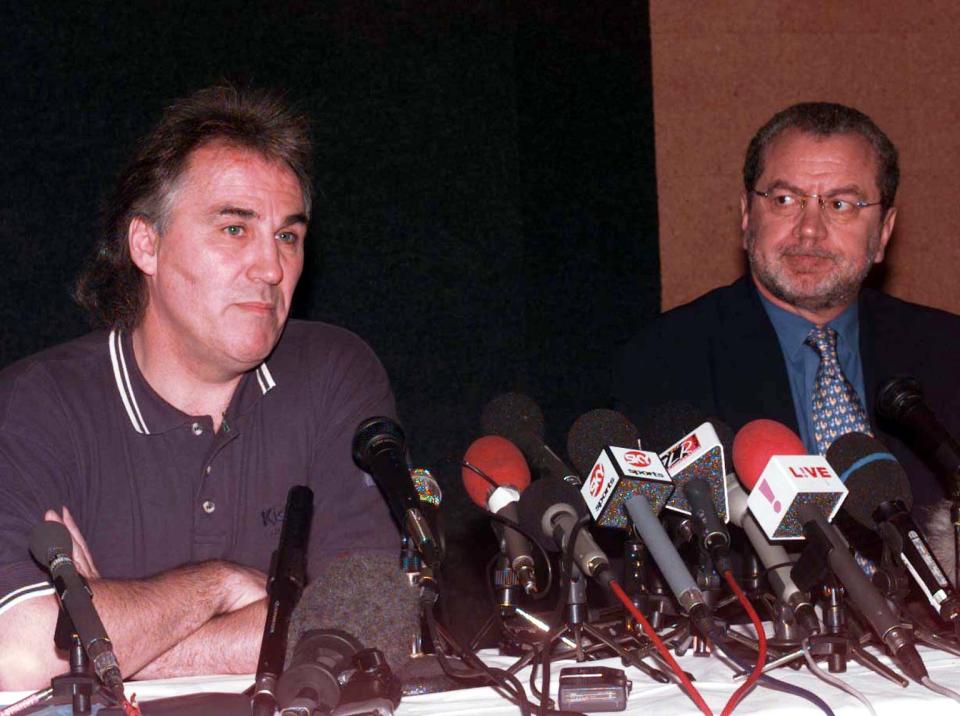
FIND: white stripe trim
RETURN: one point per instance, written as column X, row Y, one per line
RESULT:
column 122, row 378
column 18, row 596
column 265, row 378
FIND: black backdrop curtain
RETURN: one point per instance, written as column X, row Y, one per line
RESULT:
column 486, row 209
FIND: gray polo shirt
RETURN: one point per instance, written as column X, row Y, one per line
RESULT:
column 152, row 488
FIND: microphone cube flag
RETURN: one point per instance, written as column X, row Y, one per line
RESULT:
column 699, row 454
column 789, row 482
column 619, row 474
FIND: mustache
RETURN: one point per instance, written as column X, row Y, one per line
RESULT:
column 802, row 251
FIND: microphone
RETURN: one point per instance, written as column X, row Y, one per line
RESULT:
column 774, row 558
column 519, row 419
column 765, row 451
column 288, row 568
column 379, row 449
column 684, row 456
column 880, row 498
column 552, row 508
column 311, row 684
column 51, row 545
column 696, row 464
column 601, row 444
column 900, row 401
column 497, row 459
column 632, row 496
column 698, row 456
column 362, row 599
column 788, row 481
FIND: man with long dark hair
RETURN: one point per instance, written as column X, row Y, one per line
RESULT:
column 166, row 441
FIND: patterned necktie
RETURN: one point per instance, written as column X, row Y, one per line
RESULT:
column 836, row 406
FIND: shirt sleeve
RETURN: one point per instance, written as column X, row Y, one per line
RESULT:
column 34, row 469
column 350, row 512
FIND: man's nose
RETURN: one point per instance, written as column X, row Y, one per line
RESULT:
column 265, row 262
column 811, row 223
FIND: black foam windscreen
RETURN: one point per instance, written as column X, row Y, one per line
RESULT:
column 367, row 595
column 511, row 414
column 595, row 430
column 48, row 539
column 540, row 496
column 517, row 418
column 871, row 474
column 668, row 424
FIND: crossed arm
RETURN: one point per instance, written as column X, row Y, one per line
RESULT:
column 201, row 618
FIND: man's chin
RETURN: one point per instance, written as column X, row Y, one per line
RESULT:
column 813, row 298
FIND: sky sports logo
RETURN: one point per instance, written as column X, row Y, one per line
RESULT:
column 636, row 458
column 597, row 476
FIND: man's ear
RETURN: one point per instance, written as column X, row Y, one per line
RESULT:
column 144, row 243
column 744, row 218
column 886, row 231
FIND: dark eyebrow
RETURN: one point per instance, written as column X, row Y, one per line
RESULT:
column 242, row 213
column 296, row 219
column 237, row 211
column 848, row 189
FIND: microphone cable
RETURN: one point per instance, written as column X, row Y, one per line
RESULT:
column 661, row 647
column 833, row 680
column 770, row 682
column 499, row 679
column 752, row 679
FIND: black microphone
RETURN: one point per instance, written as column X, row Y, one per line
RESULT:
column 52, row 546
column 880, row 497
column 900, row 401
column 551, row 508
column 519, row 419
column 288, row 568
column 379, row 449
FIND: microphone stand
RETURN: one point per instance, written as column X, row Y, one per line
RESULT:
column 79, row 684
column 506, row 589
column 576, row 624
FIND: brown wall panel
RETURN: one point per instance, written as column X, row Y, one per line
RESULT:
column 721, row 69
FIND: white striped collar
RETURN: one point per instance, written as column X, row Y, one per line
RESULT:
column 121, row 374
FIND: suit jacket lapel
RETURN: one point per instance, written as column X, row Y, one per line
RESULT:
column 751, row 376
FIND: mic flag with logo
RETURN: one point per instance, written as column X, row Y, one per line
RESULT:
column 619, row 474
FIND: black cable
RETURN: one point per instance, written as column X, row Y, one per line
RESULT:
column 499, row 679
column 542, row 592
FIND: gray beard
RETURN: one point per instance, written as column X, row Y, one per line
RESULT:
column 836, row 291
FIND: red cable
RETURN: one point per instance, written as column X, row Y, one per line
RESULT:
column 661, row 647
column 761, row 646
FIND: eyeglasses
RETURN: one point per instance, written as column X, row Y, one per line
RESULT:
column 789, row 204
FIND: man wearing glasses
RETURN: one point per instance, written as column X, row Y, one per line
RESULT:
column 799, row 339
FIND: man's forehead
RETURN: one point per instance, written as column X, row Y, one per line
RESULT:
column 229, row 176
column 797, row 147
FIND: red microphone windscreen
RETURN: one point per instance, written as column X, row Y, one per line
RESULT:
column 501, row 460
column 758, row 441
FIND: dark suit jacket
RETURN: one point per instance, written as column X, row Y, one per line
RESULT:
column 720, row 354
